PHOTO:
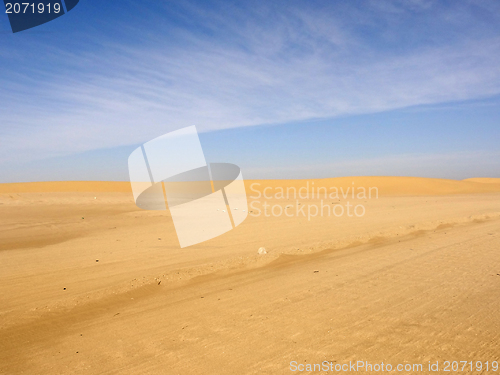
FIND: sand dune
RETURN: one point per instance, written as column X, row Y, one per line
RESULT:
column 484, row 180
column 386, row 185
column 394, row 185
column 89, row 283
column 66, row 186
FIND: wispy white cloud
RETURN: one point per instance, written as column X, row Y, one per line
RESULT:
column 457, row 165
column 253, row 66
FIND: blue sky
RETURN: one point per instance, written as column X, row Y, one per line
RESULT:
column 284, row 89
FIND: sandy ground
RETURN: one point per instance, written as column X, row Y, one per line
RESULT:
column 90, row 284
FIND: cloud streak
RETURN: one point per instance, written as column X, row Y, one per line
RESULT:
column 458, row 165
column 244, row 67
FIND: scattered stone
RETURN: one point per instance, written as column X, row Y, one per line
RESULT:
column 159, row 282
column 262, row 251
column 316, row 271
column 97, row 260
column 159, row 239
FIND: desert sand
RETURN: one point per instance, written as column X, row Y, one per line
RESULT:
column 91, row 284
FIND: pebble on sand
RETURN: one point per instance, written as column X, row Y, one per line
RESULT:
column 262, row 251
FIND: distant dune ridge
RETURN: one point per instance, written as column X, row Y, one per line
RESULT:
column 386, row 185
column 485, row 180
column 66, row 186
